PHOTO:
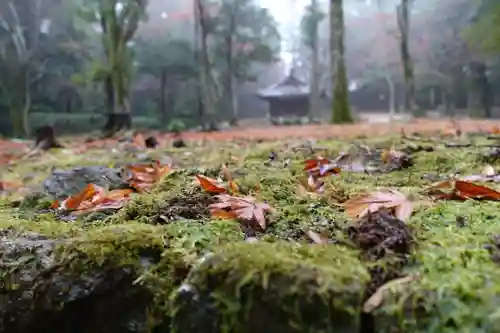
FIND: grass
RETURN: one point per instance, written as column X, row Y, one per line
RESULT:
column 204, row 276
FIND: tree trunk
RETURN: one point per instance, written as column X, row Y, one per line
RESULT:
column 204, row 64
column 403, row 15
column 314, row 84
column 392, row 97
column 234, row 101
column 341, row 112
column 163, row 98
column 19, row 103
column 118, row 120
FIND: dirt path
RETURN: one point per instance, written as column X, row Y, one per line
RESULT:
column 342, row 131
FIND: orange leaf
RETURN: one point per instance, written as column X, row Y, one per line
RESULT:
column 210, row 185
column 88, row 192
column 474, row 191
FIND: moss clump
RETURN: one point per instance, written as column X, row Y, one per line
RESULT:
column 458, row 281
column 274, row 288
column 187, row 202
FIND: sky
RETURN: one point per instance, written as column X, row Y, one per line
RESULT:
column 288, row 14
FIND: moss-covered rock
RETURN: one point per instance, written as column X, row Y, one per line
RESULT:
column 281, row 287
column 44, row 292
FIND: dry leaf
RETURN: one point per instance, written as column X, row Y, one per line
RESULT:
column 142, row 177
column 454, row 189
column 211, row 185
column 320, row 167
column 488, row 171
column 391, row 199
column 94, row 198
column 244, row 209
column 378, row 297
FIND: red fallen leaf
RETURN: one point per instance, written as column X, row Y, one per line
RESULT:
column 315, row 163
column 244, row 209
column 320, row 167
column 454, row 189
column 211, row 185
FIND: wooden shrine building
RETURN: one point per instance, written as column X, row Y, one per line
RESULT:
column 289, row 98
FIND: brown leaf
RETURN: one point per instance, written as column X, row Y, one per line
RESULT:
column 378, row 297
column 244, row 209
column 462, row 190
column 391, row 199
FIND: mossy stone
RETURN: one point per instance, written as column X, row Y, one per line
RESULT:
column 278, row 288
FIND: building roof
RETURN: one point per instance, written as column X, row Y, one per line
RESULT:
column 290, row 86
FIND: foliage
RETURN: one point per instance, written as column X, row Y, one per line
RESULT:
column 253, row 32
column 484, row 32
column 313, row 16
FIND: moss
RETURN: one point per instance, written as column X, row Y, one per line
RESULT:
column 275, row 288
column 181, row 202
column 166, row 240
column 458, row 281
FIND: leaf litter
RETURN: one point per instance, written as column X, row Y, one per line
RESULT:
column 377, row 220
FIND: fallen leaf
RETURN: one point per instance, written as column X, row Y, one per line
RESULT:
column 453, row 189
column 94, row 198
column 378, row 297
column 391, row 199
column 488, row 171
column 320, row 167
column 144, row 176
column 244, row 209
column 233, row 187
column 211, row 185
column 311, row 185
column 317, row 238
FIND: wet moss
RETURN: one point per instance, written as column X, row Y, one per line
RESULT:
column 278, row 287
column 458, row 282
column 199, row 271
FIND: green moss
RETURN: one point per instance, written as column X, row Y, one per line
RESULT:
column 277, row 287
column 459, row 283
column 279, row 282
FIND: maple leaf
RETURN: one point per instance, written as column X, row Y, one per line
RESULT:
column 94, row 198
column 243, row 209
column 210, row 185
column 142, row 177
column 320, row 167
column 214, row 186
column 391, row 199
column 455, row 189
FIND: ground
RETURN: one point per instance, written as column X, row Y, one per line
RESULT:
column 163, row 263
